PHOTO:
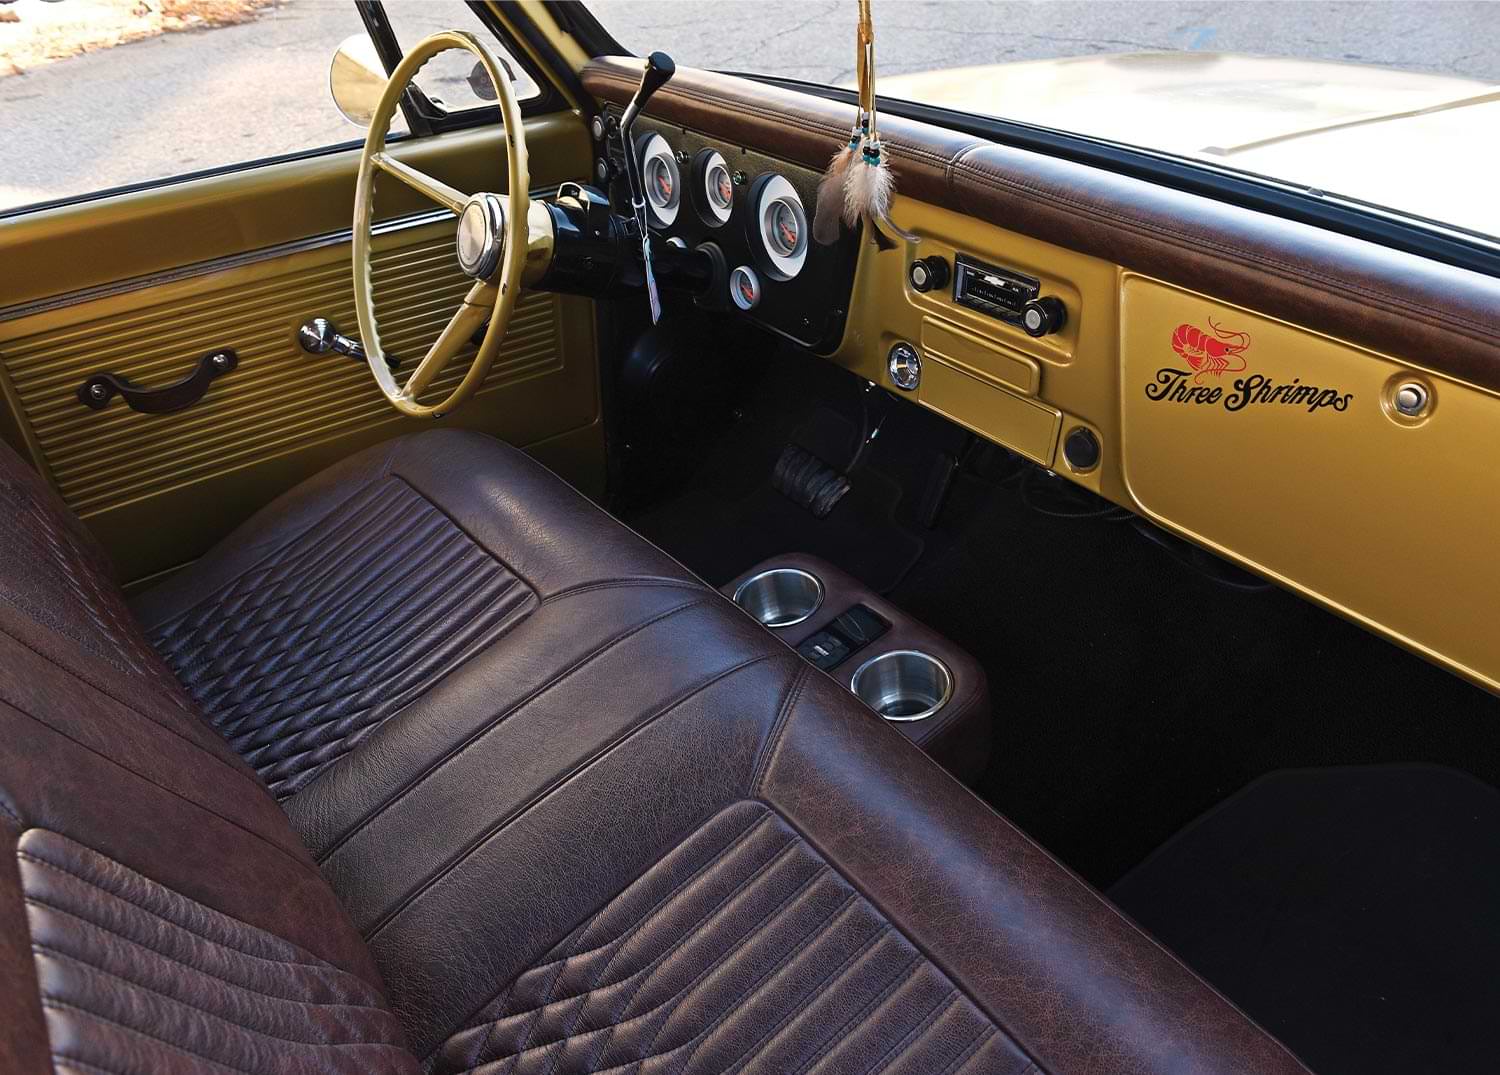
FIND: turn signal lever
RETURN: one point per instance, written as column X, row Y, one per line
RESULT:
column 659, row 68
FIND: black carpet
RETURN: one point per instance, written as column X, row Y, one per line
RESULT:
column 1352, row 912
column 1133, row 689
column 1137, row 683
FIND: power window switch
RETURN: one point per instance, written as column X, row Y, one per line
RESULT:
column 860, row 626
column 824, row 649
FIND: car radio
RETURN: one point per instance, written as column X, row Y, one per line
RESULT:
column 1005, row 294
column 1001, row 293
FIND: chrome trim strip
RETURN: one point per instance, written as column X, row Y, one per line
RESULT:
column 230, row 261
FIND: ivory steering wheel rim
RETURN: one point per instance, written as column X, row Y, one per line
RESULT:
column 493, row 294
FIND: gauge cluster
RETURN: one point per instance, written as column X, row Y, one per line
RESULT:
column 752, row 214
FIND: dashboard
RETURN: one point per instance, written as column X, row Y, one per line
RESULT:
column 752, row 215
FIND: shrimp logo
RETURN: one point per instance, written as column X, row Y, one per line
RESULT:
column 1218, row 354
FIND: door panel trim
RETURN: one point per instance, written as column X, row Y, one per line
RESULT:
column 230, row 261
column 78, row 246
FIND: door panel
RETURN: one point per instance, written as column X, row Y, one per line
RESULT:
column 159, row 489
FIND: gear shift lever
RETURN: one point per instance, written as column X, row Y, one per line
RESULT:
column 659, row 68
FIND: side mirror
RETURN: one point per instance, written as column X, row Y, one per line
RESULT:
column 356, row 79
column 480, row 84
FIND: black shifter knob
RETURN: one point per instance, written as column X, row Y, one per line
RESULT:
column 659, row 68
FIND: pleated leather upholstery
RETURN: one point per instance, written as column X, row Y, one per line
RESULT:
column 573, row 813
column 743, row 949
column 307, row 651
column 135, row 977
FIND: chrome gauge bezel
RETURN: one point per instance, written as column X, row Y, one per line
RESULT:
column 744, row 274
column 770, row 195
column 708, row 166
column 657, row 155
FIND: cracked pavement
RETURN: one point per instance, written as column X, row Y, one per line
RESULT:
column 189, row 101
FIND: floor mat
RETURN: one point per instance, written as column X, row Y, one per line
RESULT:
column 1133, row 691
column 1349, row 911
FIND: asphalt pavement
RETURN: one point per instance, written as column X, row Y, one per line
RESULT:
column 189, row 101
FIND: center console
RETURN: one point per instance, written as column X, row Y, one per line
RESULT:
column 919, row 682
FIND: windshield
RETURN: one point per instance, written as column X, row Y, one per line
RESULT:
column 1392, row 104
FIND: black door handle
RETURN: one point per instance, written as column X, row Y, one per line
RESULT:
column 100, row 388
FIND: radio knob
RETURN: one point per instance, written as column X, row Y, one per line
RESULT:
column 1040, row 317
column 928, row 273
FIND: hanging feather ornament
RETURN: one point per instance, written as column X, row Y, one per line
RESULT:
column 829, row 209
column 862, row 166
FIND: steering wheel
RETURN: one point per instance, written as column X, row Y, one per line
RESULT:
column 492, row 237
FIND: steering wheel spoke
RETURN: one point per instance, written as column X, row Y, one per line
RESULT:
column 478, row 304
column 435, row 189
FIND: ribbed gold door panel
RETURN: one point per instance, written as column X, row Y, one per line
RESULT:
column 281, row 412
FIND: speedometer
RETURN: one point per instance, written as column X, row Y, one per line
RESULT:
column 779, row 226
column 713, row 187
column 662, row 179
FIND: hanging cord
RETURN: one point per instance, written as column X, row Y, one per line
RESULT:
column 861, row 170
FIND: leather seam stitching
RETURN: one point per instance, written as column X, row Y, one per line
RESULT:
column 170, row 621
column 962, row 1061
column 75, row 1062
column 489, row 725
column 625, row 583
column 239, row 1026
column 918, row 1031
column 722, row 959
column 770, row 972
column 41, row 902
column 481, row 546
column 1292, row 274
column 746, row 884
column 931, row 958
column 55, row 1004
column 778, row 728
column 301, row 865
column 313, row 556
column 823, row 983
column 265, row 616
column 553, row 786
column 469, row 1021
column 235, row 729
column 159, row 954
column 242, row 773
column 896, row 981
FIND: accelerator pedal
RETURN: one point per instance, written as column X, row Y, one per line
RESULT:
column 808, row 482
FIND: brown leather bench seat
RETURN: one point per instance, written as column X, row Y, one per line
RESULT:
column 547, row 804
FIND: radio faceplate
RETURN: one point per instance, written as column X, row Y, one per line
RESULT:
column 995, row 292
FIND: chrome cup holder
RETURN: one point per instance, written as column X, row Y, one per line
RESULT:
column 780, row 597
column 903, row 685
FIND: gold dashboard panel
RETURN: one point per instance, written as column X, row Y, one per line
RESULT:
column 1284, row 449
column 1306, row 473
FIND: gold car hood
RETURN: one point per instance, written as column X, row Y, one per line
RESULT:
column 1419, row 143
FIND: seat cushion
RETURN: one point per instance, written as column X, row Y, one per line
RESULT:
column 609, row 822
column 356, row 593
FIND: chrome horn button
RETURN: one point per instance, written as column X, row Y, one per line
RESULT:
column 481, row 235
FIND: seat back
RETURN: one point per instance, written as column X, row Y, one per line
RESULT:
column 156, row 910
